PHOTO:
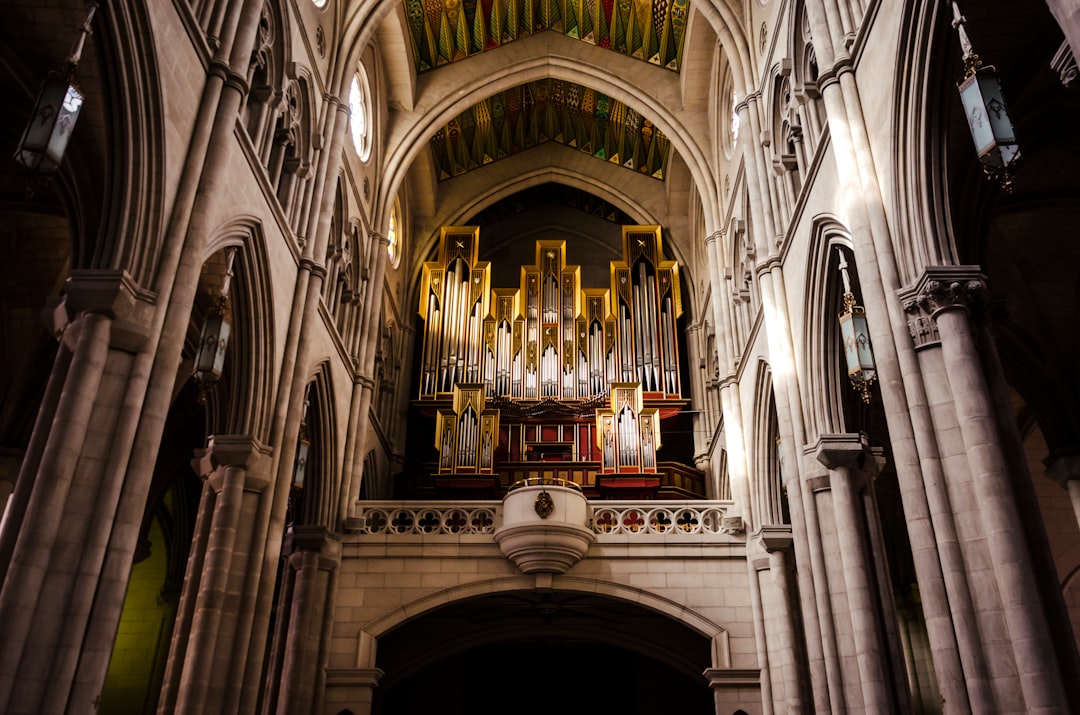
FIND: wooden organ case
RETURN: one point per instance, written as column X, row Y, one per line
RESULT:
column 550, row 379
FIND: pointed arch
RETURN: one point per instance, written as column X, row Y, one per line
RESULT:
column 766, row 460
column 824, row 388
column 244, row 399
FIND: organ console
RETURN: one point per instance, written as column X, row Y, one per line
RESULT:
column 552, row 372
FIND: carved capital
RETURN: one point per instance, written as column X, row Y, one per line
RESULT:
column 939, row 289
column 947, row 287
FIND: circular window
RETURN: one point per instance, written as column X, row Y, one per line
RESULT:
column 392, row 245
column 360, row 115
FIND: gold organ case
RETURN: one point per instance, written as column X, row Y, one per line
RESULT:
column 551, row 379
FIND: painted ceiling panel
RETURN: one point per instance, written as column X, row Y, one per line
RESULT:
column 549, row 110
column 445, row 31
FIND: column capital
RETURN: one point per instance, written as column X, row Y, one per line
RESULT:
column 775, row 537
column 841, row 450
column 316, row 539
column 945, row 287
column 112, row 293
column 1063, row 468
column 239, row 451
column 941, row 288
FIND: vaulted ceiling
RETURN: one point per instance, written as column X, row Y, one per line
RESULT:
column 445, row 31
column 511, row 121
column 534, row 113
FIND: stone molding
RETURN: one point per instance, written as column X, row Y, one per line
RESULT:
column 733, row 677
column 362, row 677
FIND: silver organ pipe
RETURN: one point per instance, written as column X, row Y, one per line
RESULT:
column 671, row 363
column 628, row 438
column 519, row 360
column 532, row 337
column 653, row 329
column 551, row 298
column 503, row 346
column 637, row 316
column 625, row 330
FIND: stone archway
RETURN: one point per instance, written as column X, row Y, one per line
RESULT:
column 532, row 651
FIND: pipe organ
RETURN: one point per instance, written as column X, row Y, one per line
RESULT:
column 467, row 434
column 550, row 338
column 579, row 374
column 627, row 433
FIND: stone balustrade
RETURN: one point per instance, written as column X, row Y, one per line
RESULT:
column 624, row 518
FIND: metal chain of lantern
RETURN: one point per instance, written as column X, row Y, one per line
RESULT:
column 986, row 111
column 855, row 334
column 210, row 357
column 55, row 112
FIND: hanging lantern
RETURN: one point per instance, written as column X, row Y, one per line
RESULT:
column 55, row 112
column 303, row 448
column 986, row 112
column 855, row 334
column 210, row 358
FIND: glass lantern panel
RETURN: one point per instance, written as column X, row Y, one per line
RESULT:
column 982, row 132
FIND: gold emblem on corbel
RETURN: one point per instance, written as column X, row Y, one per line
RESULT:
column 544, row 505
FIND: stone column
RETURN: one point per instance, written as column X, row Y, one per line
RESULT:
column 822, row 647
column 947, row 294
column 733, row 689
column 845, row 457
column 777, row 541
column 770, row 697
column 316, row 554
column 354, row 688
column 55, row 535
column 205, row 670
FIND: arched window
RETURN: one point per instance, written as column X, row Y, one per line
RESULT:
column 360, row 114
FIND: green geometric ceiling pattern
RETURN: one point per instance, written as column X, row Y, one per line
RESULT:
column 549, row 110
column 445, row 31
